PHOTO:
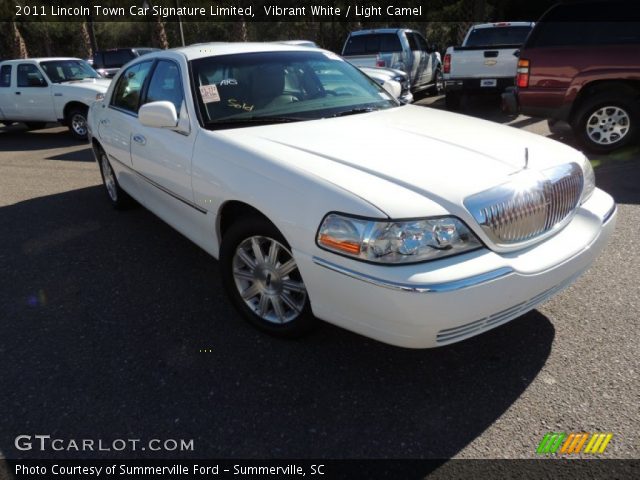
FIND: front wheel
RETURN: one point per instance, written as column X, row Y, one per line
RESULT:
column 262, row 279
column 607, row 121
column 77, row 121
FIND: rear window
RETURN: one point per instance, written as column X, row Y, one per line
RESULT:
column 372, row 44
column 485, row 37
column 5, row 76
column 593, row 23
column 116, row 58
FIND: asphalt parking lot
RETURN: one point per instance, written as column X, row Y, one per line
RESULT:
column 105, row 317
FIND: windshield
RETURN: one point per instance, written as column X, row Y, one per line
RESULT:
column 271, row 87
column 60, row 71
column 486, row 37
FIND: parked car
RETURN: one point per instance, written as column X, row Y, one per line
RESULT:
column 383, row 74
column 400, row 49
column 36, row 91
column 581, row 66
column 108, row 62
column 486, row 62
column 323, row 198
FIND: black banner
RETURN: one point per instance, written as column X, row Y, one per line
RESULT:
column 321, row 469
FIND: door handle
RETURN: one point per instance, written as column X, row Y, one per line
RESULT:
column 139, row 139
column 104, row 121
column 17, row 93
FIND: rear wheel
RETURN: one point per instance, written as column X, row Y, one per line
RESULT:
column 607, row 121
column 77, row 122
column 118, row 198
column 262, row 279
column 438, row 84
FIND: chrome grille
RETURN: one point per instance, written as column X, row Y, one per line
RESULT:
column 532, row 204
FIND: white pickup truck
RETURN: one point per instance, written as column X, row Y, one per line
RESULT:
column 486, row 62
column 37, row 91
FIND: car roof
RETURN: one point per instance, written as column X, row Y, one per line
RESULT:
column 503, row 24
column 380, row 30
column 202, row 50
column 39, row 59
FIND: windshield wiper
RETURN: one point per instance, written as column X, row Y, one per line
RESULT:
column 355, row 111
column 251, row 120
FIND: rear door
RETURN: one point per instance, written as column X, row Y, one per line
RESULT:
column 163, row 156
column 426, row 60
column 7, row 107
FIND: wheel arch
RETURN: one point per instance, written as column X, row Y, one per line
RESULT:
column 598, row 86
column 233, row 210
column 70, row 106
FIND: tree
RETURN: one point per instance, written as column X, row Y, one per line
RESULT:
column 19, row 45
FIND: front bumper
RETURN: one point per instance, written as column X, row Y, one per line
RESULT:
column 438, row 303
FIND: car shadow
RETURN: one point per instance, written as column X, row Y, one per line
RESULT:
column 115, row 326
column 18, row 138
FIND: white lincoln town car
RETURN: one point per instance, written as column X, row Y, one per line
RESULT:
column 324, row 198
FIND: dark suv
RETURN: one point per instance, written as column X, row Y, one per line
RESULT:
column 581, row 64
column 108, row 62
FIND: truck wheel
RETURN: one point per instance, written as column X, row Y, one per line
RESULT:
column 607, row 121
column 452, row 101
column 262, row 279
column 35, row 125
column 77, row 122
column 438, row 84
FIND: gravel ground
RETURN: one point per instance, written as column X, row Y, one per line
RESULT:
column 105, row 316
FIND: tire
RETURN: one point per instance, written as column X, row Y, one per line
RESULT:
column 118, row 198
column 452, row 101
column 35, row 125
column 438, row 86
column 607, row 121
column 77, row 122
column 255, row 260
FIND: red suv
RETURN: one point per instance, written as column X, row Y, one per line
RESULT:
column 581, row 64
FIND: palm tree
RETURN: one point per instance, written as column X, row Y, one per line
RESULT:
column 19, row 45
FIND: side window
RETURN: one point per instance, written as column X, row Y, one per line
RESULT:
column 413, row 42
column 5, row 76
column 30, row 76
column 166, row 85
column 126, row 95
column 422, row 43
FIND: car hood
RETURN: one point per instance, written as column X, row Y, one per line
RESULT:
column 439, row 155
column 98, row 85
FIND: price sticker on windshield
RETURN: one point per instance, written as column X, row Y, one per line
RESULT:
column 209, row 93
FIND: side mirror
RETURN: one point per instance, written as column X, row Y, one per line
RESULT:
column 393, row 88
column 516, row 53
column 158, row 115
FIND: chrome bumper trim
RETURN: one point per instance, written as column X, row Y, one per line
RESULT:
column 417, row 288
column 609, row 214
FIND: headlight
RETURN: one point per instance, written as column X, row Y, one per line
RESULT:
column 395, row 242
column 589, row 180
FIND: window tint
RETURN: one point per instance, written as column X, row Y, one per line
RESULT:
column 372, row 44
column 559, row 34
column 5, row 76
column 612, row 22
column 116, row 58
column 127, row 92
column 497, row 36
column 422, row 43
column 166, row 85
column 30, row 76
column 413, row 42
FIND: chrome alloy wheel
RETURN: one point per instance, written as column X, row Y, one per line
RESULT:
column 268, row 280
column 109, row 178
column 79, row 124
column 608, row 125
